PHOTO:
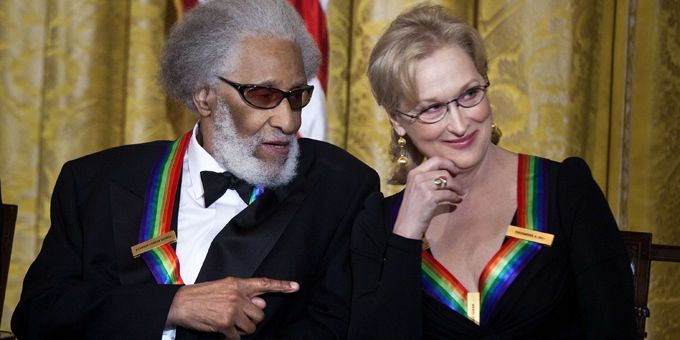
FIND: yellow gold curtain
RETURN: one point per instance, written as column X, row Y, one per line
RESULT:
column 649, row 180
column 596, row 79
column 77, row 77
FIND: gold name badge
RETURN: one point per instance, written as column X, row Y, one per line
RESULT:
column 473, row 307
column 530, row 235
column 155, row 242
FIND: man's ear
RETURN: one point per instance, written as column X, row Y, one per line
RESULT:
column 203, row 100
column 396, row 124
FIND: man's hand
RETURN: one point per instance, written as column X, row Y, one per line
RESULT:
column 229, row 306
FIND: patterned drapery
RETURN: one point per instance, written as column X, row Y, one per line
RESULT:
column 596, row 79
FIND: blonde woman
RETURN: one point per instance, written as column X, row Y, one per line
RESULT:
column 482, row 242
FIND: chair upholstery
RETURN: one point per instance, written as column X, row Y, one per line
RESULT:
column 8, row 217
column 642, row 252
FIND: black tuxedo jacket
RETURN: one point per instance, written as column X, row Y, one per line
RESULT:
column 86, row 284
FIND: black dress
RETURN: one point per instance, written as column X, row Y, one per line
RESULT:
column 580, row 287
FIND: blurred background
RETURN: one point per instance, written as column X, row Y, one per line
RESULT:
column 595, row 79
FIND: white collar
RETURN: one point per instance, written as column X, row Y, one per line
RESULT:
column 198, row 159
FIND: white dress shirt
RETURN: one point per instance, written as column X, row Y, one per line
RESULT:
column 197, row 225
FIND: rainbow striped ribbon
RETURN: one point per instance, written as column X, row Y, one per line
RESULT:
column 509, row 261
column 257, row 191
column 442, row 285
column 159, row 203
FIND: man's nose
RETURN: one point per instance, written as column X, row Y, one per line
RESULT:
column 285, row 118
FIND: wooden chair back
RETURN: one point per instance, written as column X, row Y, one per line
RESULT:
column 8, row 218
column 642, row 252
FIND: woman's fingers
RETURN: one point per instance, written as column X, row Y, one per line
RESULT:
column 438, row 163
column 427, row 186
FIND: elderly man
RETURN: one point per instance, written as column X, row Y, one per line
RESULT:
column 261, row 219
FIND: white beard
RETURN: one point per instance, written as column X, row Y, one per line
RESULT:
column 237, row 154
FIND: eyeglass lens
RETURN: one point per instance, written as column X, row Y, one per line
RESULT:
column 471, row 97
column 468, row 99
column 269, row 97
column 265, row 97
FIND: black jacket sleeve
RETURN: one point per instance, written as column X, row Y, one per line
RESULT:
column 68, row 295
column 386, row 298
column 597, row 255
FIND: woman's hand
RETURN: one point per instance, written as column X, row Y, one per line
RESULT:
column 422, row 196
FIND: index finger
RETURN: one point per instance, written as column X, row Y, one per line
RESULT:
column 260, row 285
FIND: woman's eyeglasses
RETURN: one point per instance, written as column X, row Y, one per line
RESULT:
column 437, row 111
column 265, row 97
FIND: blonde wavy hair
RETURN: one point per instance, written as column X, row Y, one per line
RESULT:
column 411, row 37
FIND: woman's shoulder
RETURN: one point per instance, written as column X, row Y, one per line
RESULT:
column 574, row 164
column 571, row 167
column 574, row 171
column 572, row 181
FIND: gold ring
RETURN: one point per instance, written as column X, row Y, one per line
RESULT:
column 439, row 182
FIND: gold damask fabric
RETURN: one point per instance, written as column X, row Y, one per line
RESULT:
column 550, row 89
column 77, row 77
column 650, row 189
column 596, row 79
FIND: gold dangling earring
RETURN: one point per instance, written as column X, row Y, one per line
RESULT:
column 402, row 160
column 496, row 133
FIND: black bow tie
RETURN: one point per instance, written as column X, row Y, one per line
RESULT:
column 215, row 184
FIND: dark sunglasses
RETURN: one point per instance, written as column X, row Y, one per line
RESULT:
column 265, row 97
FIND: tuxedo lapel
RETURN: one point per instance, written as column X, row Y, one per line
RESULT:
column 240, row 247
column 127, row 205
column 126, row 211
